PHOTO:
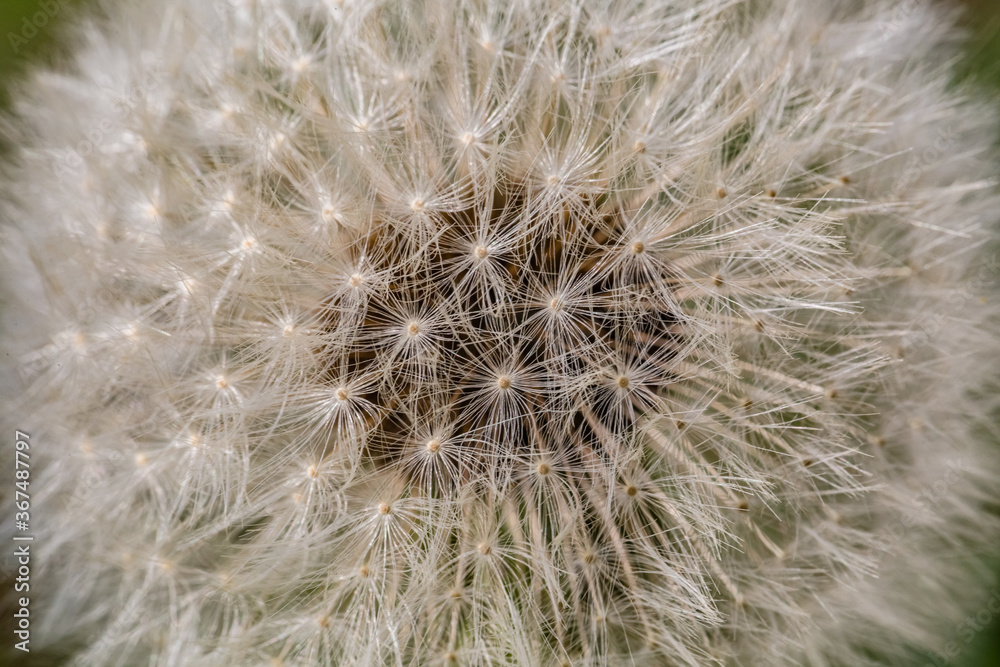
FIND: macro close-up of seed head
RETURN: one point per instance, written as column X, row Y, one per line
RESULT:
column 536, row 333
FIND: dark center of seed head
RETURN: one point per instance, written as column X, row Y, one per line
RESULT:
column 493, row 320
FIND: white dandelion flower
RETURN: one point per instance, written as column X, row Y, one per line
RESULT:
column 468, row 332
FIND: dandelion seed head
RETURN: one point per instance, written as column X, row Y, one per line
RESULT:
column 469, row 332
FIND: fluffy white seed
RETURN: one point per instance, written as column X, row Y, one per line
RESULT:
column 372, row 332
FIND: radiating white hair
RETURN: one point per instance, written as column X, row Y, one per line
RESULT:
column 471, row 332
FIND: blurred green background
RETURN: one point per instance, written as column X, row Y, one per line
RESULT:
column 21, row 43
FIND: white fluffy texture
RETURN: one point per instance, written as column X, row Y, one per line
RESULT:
column 476, row 332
